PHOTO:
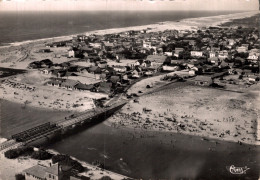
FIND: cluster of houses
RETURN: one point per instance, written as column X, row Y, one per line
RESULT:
column 202, row 52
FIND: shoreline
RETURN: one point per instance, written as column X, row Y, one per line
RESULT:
column 176, row 25
column 38, row 107
column 203, row 138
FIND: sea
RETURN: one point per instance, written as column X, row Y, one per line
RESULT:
column 18, row 26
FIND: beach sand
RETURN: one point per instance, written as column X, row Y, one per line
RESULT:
column 193, row 110
column 30, row 89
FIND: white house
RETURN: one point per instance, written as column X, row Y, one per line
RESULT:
column 231, row 42
column 196, row 53
column 96, row 45
column 223, row 54
column 242, row 49
column 253, row 57
column 212, row 54
column 71, row 53
column 171, row 68
column 120, row 68
column 168, row 53
column 46, row 71
column 147, row 44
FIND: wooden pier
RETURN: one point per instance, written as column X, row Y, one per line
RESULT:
column 48, row 129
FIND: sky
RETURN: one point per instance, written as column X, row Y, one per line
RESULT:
column 94, row 5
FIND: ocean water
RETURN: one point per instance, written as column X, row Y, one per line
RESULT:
column 22, row 26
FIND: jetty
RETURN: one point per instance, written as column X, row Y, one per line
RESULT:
column 48, row 129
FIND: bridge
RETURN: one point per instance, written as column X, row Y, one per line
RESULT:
column 48, row 128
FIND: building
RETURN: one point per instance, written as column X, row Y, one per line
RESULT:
column 213, row 60
column 156, row 60
column 146, row 63
column 223, row 54
column 252, row 56
column 177, row 51
column 44, row 50
column 147, row 45
column 46, row 71
column 242, row 49
column 102, row 64
column 69, row 84
column 203, row 80
column 121, row 69
column 71, row 53
column 168, row 53
column 212, row 54
column 171, row 68
column 196, row 53
column 231, row 42
column 35, row 173
column 53, row 172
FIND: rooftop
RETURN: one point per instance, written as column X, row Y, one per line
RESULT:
column 38, row 171
column 156, row 58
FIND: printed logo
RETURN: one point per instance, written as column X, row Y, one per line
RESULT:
column 237, row 170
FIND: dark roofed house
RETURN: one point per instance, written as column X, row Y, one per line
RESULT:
column 178, row 50
column 59, row 72
column 103, row 76
column 54, row 172
column 69, row 84
column 203, row 80
column 156, row 60
column 46, row 63
column 108, row 46
column 35, row 172
column 44, row 50
column 87, row 49
column 114, row 79
column 34, row 65
column 83, row 87
column 55, row 82
column 213, row 60
column 102, row 64
column 94, row 70
column 105, row 87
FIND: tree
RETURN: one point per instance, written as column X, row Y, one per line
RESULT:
column 66, row 160
column 106, row 178
column 14, row 153
column 19, row 177
column 242, row 55
column 185, row 55
column 41, row 155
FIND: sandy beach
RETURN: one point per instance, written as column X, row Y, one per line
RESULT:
column 193, row 110
column 31, row 89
